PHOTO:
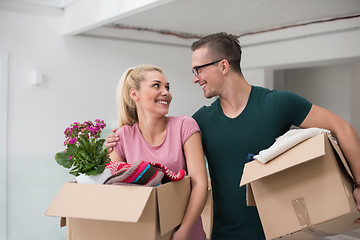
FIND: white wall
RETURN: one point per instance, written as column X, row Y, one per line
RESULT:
column 80, row 75
column 3, row 142
column 304, row 51
column 328, row 86
column 355, row 96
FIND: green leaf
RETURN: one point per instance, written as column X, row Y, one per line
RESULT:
column 84, row 143
column 94, row 172
column 74, row 172
column 71, row 149
column 99, row 144
column 88, row 166
column 99, row 169
column 85, row 156
column 62, row 158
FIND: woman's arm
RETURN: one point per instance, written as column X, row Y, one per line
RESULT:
column 115, row 157
column 195, row 162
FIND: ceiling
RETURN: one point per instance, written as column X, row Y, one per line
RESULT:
column 47, row 3
column 180, row 22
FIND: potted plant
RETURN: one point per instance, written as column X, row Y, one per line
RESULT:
column 85, row 155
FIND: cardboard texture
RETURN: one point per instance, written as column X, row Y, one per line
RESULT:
column 95, row 211
column 304, row 193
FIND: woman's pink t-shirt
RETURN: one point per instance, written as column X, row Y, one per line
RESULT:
column 132, row 147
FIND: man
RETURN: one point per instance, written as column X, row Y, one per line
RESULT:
column 246, row 119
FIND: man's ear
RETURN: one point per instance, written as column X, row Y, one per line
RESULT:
column 225, row 66
column 133, row 94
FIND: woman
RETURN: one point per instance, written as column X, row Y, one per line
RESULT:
column 146, row 133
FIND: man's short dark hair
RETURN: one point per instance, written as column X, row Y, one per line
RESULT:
column 222, row 46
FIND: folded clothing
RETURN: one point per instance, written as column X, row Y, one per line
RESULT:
column 168, row 174
column 142, row 173
column 287, row 141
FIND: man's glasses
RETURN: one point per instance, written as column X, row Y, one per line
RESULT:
column 195, row 70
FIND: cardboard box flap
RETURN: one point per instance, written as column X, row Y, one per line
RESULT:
column 255, row 170
column 340, row 154
column 250, row 200
column 82, row 201
column 172, row 206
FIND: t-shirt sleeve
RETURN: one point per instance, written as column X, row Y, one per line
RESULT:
column 293, row 107
column 188, row 127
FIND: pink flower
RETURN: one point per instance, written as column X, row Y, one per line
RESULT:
column 72, row 140
column 88, row 128
column 66, row 130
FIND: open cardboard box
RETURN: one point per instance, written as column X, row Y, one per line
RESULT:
column 304, row 193
column 95, row 211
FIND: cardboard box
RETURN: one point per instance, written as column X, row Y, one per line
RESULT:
column 305, row 193
column 105, row 212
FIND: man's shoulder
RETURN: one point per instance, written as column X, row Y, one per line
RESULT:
column 272, row 92
column 205, row 110
column 257, row 90
column 271, row 96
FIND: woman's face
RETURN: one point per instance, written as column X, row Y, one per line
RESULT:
column 154, row 95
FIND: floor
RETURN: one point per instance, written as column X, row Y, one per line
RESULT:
column 353, row 235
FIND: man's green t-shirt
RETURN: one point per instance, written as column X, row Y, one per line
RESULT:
column 227, row 143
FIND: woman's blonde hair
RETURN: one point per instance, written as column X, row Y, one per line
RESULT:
column 131, row 78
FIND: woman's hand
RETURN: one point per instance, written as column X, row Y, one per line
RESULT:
column 180, row 235
column 356, row 194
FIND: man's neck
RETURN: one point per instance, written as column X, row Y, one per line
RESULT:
column 235, row 96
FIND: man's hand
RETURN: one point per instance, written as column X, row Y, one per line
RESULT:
column 111, row 140
column 356, row 195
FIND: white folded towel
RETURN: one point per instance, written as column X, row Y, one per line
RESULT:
column 287, row 141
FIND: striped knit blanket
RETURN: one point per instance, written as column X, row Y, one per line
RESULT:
column 141, row 173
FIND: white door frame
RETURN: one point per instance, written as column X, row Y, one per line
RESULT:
column 3, row 142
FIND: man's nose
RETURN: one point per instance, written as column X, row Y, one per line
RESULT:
column 195, row 78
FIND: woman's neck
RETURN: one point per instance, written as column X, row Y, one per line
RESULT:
column 153, row 130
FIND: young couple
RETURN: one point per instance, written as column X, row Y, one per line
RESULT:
column 244, row 119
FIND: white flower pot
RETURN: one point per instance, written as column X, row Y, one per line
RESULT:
column 99, row 179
